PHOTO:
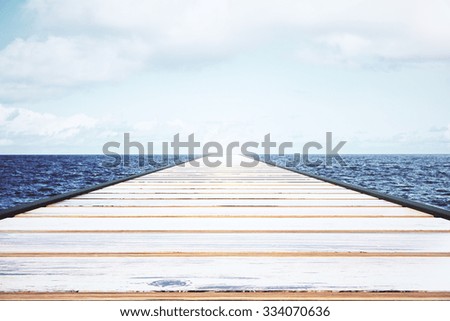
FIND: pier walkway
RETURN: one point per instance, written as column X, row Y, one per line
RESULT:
column 224, row 233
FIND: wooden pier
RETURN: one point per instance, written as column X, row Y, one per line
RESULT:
column 224, row 233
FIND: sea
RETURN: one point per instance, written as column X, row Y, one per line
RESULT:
column 28, row 178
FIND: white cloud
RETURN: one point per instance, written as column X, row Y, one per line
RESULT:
column 436, row 139
column 6, row 142
column 446, row 135
column 22, row 123
column 400, row 29
column 36, row 132
column 29, row 66
column 92, row 41
column 145, row 126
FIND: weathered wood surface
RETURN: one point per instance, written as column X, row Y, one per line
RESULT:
column 221, row 229
column 224, row 211
column 214, row 274
column 225, row 224
column 229, row 242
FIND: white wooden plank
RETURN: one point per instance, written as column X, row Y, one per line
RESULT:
column 214, row 224
column 225, row 202
column 223, row 187
column 216, row 175
column 214, row 274
column 222, row 183
column 204, row 178
column 222, row 196
column 228, row 191
column 210, row 242
column 176, row 211
column 231, row 176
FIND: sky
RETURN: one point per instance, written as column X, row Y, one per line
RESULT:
column 75, row 75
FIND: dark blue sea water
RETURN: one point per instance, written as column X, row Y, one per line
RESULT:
column 27, row 178
column 423, row 178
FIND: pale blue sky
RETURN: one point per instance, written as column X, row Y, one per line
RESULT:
column 76, row 74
